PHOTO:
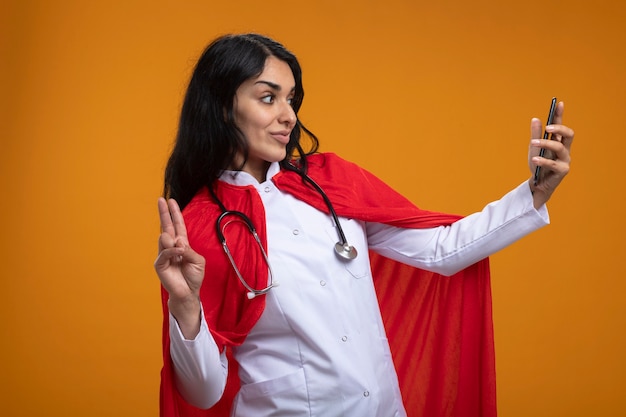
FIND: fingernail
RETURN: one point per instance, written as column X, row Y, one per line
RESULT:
column 550, row 128
column 535, row 141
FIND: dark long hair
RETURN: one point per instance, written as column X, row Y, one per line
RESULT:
column 208, row 139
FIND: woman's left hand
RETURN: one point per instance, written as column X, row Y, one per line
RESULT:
column 555, row 164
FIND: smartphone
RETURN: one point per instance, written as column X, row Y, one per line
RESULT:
column 546, row 135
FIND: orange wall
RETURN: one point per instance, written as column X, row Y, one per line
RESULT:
column 434, row 97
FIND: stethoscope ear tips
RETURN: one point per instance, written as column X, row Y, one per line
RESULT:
column 345, row 251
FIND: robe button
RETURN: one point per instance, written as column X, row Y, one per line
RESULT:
column 366, row 393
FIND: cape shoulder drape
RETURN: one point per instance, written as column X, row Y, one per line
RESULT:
column 440, row 328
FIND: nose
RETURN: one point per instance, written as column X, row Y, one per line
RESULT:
column 287, row 115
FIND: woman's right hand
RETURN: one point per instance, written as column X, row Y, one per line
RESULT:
column 180, row 268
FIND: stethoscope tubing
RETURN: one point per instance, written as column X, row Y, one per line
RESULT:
column 252, row 292
column 342, row 248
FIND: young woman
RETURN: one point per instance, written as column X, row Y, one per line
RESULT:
column 282, row 291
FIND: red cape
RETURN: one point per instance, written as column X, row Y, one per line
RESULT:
column 440, row 328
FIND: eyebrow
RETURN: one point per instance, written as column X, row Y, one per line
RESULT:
column 272, row 85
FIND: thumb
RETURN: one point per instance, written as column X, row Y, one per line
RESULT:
column 167, row 256
column 191, row 256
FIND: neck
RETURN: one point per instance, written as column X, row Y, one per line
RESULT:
column 258, row 170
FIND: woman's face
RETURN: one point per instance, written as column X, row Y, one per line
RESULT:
column 263, row 112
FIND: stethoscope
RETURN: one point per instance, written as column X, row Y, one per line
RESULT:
column 344, row 250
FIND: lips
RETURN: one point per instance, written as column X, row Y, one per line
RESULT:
column 281, row 136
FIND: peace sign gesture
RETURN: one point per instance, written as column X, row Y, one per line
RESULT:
column 179, row 268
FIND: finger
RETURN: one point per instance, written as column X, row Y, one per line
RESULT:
column 535, row 128
column 177, row 219
column 535, row 133
column 556, row 168
column 554, row 147
column 564, row 134
column 191, row 256
column 166, row 241
column 166, row 219
column 167, row 257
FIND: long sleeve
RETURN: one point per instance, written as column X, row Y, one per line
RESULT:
column 199, row 367
column 448, row 249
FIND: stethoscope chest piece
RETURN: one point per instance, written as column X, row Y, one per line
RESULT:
column 345, row 251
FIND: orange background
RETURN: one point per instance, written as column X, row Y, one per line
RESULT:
column 434, row 97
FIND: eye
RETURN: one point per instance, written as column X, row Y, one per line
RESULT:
column 269, row 99
column 290, row 101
